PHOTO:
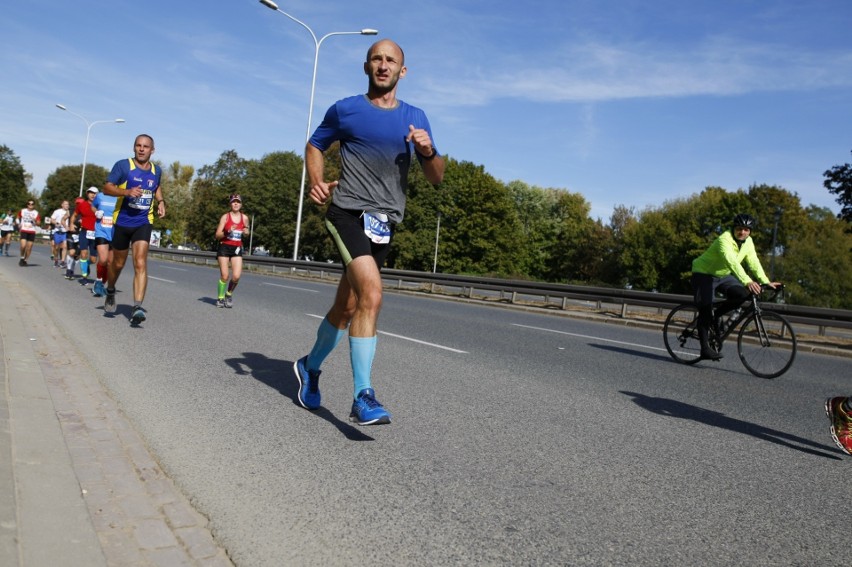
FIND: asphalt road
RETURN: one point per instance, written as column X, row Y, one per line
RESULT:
column 517, row 438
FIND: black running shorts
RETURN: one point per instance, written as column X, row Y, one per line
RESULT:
column 124, row 236
column 346, row 228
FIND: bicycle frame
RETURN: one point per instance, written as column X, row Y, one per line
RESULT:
column 747, row 308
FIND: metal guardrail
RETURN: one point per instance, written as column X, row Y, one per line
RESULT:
column 514, row 291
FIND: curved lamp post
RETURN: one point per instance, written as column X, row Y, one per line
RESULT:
column 88, row 131
column 317, row 42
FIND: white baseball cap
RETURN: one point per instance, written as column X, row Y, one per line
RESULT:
column 92, row 190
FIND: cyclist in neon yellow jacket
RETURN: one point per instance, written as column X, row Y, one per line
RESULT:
column 720, row 269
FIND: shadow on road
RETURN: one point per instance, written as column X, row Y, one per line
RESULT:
column 632, row 351
column 673, row 408
column 278, row 374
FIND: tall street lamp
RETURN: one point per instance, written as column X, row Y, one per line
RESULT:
column 88, row 131
column 272, row 5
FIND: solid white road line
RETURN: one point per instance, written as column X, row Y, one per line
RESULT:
column 291, row 287
column 418, row 341
column 587, row 337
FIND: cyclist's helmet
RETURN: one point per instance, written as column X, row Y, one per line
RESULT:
column 745, row 220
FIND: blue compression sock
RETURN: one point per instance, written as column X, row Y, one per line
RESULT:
column 361, row 353
column 327, row 338
column 84, row 268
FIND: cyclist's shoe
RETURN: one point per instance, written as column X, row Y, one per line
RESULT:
column 229, row 301
column 109, row 302
column 366, row 409
column 138, row 315
column 98, row 290
column 711, row 349
column 309, row 394
column 220, row 303
column 711, row 354
column 841, row 423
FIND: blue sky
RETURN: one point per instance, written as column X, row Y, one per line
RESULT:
column 626, row 102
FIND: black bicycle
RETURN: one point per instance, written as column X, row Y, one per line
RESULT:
column 766, row 342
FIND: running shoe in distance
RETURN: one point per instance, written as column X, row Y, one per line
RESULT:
column 98, row 290
column 109, row 302
column 138, row 315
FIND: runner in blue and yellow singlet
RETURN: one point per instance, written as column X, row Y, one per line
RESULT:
column 136, row 183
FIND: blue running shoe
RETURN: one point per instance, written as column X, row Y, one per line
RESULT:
column 366, row 409
column 98, row 290
column 309, row 394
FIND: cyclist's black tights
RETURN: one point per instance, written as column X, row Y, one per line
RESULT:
column 705, row 287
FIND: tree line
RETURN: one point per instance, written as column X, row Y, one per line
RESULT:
column 512, row 230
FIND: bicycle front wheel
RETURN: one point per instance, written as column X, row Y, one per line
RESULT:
column 767, row 345
column 680, row 334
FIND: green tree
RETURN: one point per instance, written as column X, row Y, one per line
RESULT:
column 571, row 258
column 538, row 238
column 479, row 226
column 13, row 180
column 64, row 184
column 210, row 192
column 176, row 184
column 771, row 204
column 816, row 264
column 270, row 196
column 621, row 221
column 838, row 181
column 414, row 241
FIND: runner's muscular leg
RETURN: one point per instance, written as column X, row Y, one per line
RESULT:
column 140, row 267
column 119, row 258
column 358, row 299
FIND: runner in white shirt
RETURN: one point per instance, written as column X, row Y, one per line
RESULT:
column 59, row 219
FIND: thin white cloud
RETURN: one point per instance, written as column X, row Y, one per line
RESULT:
column 595, row 72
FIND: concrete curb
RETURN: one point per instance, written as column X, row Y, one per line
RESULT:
column 78, row 486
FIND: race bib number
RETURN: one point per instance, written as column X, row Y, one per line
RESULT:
column 90, row 235
column 143, row 201
column 235, row 235
column 106, row 222
column 376, row 228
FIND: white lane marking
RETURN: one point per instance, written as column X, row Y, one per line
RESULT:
column 161, row 279
column 173, row 268
column 405, row 338
column 587, row 337
column 291, row 287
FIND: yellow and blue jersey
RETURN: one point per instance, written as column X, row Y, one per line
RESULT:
column 134, row 211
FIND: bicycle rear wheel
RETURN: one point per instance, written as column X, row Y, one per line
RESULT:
column 767, row 345
column 680, row 334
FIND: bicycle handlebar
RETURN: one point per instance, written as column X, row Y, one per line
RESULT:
column 775, row 293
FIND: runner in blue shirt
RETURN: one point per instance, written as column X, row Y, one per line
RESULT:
column 136, row 183
column 104, row 206
column 377, row 134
